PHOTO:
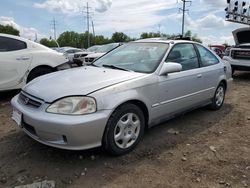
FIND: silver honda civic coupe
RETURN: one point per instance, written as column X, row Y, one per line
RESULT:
column 111, row 102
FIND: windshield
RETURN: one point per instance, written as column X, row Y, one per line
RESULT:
column 138, row 57
column 93, row 48
column 106, row 48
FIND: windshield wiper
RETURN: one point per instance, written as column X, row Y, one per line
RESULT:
column 115, row 67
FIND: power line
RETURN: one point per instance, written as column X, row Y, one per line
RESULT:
column 184, row 10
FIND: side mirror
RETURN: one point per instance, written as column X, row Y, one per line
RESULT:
column 170, row 67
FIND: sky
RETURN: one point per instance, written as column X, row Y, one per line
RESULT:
column 206, row 18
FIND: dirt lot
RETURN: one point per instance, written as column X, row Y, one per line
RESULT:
column 210, row 149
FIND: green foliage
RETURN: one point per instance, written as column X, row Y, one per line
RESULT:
column 71, row 38
column 193, row 37
column 120, row 37
column 80, row 40
column 48, row 43
column 9, row 30
column 150, row 35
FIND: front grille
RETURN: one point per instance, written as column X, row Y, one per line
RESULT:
column 89, row 59
column 27, row 100
column 240, row 54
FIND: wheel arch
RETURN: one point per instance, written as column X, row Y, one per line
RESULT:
column 37, row 67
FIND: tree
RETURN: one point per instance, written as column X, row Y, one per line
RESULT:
column 150, row 35
column 9, row 30
column 120, row 37
column 193, row 37
column 48, row 43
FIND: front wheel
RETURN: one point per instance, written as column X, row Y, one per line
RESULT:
column 219, row 97
column 124, row 129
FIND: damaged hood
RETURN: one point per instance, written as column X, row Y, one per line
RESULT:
column 242, row 36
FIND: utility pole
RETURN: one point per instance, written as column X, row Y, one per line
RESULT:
column 93, row 30
column 87, row 12
column 184, row 10
column 88, row 17
column 54, row 23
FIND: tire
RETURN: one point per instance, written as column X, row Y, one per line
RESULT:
column 124, row 129
column 38, row 72
column 233, row 71
column 219, row 97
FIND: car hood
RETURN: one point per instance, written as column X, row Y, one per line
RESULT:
column 77, row 81
column 84, row 52
column 242, row 36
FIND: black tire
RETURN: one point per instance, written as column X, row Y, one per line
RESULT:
column 38, row 72
column 216, row 103
column 109, row 143
column 233, row 71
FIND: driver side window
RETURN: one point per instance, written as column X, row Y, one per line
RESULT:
column 185, row 55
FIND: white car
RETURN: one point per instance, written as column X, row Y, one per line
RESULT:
column 69, row 52
column 22, row 60
column 239, row 55
column 100, row 52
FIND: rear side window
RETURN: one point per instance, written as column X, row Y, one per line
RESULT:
column 207, row 58
column 9, row 44
column 185, row 55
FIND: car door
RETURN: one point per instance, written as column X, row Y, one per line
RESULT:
column 180, row 91
column 14, row 62
column 211, row 70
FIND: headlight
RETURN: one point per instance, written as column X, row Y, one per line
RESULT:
column 73, row 106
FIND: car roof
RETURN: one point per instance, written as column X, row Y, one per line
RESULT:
column 14, row 37
column 165, row 40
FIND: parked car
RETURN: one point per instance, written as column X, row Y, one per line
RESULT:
column 113, row 101
column 79, row 57
column 22, row 60
column 69, row 52
column 239, row 55
column 100, row 52
column 218, row 49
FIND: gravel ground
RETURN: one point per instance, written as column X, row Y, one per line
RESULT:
column 202, row 148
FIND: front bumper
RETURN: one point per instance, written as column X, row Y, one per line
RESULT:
column 62, row 131
column 238, row 62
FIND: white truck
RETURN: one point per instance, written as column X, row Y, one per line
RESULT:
column 239, row 55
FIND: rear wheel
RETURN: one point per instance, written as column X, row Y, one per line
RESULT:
column 38, row 72
column 124, row 129
column 219, row 97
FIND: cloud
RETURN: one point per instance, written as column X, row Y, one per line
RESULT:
column 221, row 39
column 103, row 5
column 62, row 6
column 26, row 32
column 73, row 7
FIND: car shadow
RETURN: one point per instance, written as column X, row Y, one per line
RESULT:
column 8, row 95
column 241, row 76
column 35, row 161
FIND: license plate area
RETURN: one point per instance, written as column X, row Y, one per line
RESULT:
column 17, row 117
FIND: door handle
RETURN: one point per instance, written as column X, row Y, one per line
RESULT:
column 22, row 58
column 199, row 75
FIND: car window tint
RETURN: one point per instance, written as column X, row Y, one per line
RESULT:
column 207, row 57
column 185, row 55
column 9, row 44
